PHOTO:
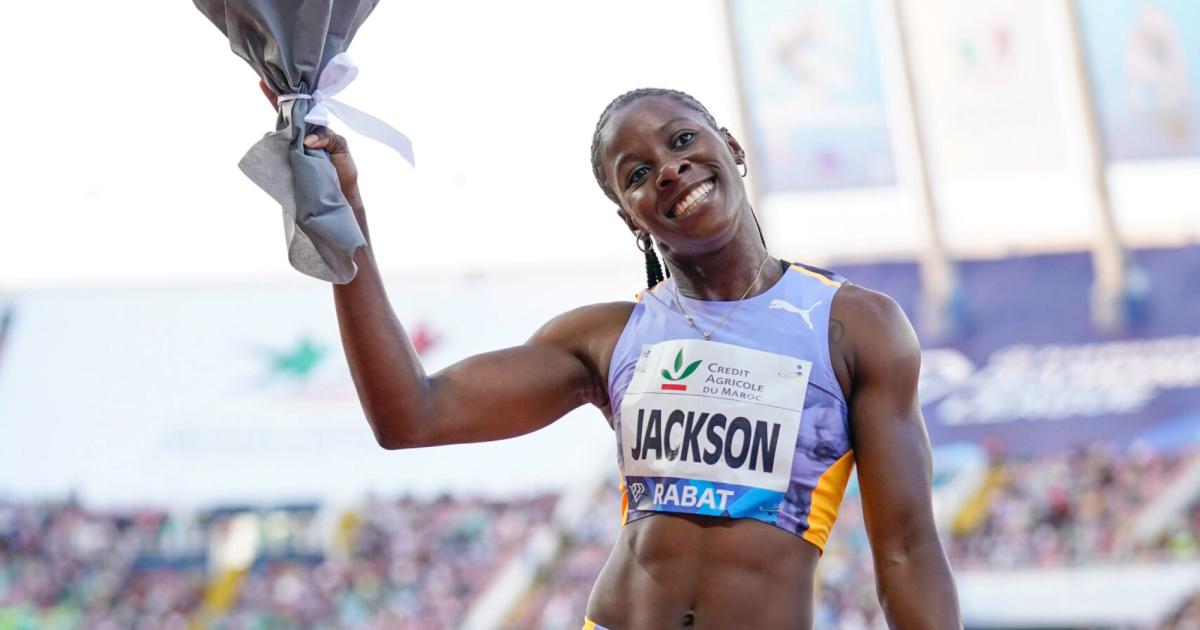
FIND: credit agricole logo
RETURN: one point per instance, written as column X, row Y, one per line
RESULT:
column 680, row 373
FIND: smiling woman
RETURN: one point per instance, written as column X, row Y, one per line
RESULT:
column 728, row 497
column 630, row 175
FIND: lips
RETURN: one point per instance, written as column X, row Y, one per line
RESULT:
column 690, row 198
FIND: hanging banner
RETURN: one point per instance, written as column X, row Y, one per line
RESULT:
column 1029, row 374
column 241, row 392
column 813, row 93
column 1143, row 58
column 988, row 97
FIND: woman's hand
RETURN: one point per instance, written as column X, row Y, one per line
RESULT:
column 334, row 144
column 339, row 154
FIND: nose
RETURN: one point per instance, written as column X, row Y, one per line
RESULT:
column 671, row 172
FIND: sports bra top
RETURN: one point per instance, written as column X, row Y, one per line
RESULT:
column 750, row 424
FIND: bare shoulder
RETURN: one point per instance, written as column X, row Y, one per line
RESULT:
column 590, row 334
column 585, row 324
column 861, row 305
column 869, row 330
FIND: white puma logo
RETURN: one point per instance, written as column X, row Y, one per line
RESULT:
column 791, row 308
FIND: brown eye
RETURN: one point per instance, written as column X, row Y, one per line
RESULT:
column 683, row 139
column 637, row 174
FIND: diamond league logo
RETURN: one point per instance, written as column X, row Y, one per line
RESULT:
column 637, row 490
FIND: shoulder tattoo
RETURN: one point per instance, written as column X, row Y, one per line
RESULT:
column 837, row 330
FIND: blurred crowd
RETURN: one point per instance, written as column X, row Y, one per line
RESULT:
column 65, row 566
column 420, row 563
column 404, row 563
column 1067, row 509
column 559, row 598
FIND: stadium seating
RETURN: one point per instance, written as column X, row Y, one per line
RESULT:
column 423, row 563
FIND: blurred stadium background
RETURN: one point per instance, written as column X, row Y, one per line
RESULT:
column 180, row 443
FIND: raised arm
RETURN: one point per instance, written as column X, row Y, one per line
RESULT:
column 489, row 396
column 913, row 579
column 486, row 397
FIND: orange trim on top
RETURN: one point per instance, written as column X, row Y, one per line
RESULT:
column 624, row 500
column 823, row 279
column 827, row 498
column 639, row 293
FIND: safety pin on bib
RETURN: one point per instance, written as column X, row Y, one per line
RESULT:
column 797, row 372
column 643, row 358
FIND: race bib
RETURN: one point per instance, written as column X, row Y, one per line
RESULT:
column 710, row 428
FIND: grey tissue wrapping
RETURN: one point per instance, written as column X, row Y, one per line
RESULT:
column 288, row 43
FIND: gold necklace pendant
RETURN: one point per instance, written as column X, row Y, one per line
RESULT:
column 707, row 334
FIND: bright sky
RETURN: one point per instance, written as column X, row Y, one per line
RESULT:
column 124, row 140
column 122, row 144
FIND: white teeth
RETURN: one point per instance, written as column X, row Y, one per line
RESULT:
column 699, row 193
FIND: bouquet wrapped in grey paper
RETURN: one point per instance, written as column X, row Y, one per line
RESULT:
column 298, row 48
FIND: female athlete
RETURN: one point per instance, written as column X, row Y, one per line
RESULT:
column 742, row 390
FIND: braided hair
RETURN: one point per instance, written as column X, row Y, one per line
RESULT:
column 655, row 272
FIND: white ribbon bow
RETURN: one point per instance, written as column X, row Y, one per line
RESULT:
column 338, row 73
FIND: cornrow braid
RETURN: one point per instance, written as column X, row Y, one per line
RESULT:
column 655, row 272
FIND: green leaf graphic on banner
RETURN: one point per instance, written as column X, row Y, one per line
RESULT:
column 679, row 360
column 691, row 368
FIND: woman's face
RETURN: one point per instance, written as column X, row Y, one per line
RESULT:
column 674, row 175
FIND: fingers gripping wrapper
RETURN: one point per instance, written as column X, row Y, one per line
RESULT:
column 298, row 48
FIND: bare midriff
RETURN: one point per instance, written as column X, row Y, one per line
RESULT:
column 705, row 573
